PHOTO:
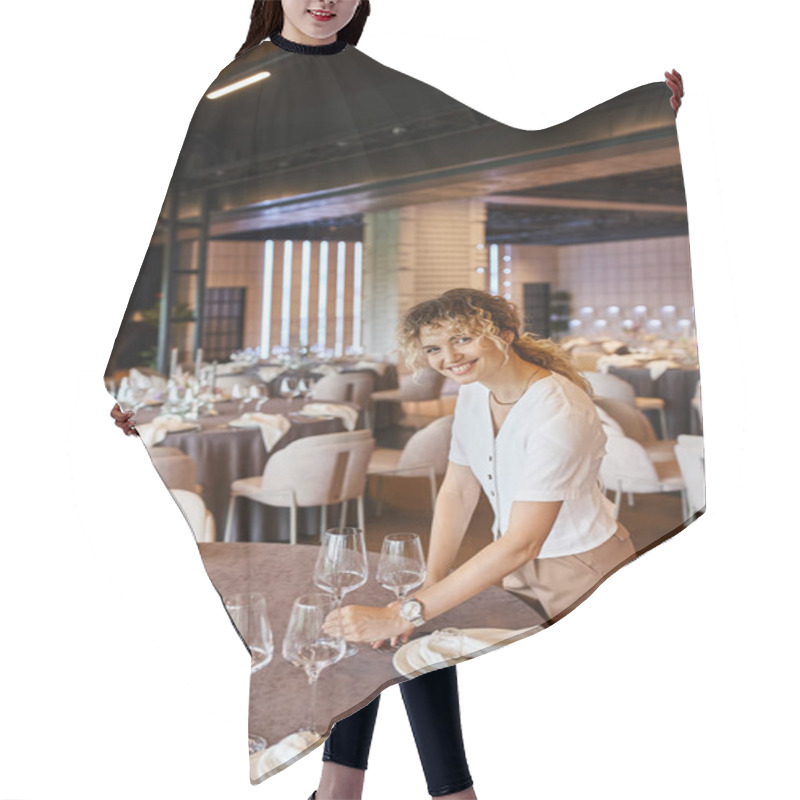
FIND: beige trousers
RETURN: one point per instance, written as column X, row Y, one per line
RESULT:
column 559, row 584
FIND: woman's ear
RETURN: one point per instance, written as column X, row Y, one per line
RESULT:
column 507, row 336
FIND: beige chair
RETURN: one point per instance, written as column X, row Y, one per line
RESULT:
column 636, row 426
column 691, row 460
column 347, row 387
column 615, row 388
column 313, row 471
column 424, row 456
column 177, row 470
column 626, row 468
column 418, row 388
column 200, row 519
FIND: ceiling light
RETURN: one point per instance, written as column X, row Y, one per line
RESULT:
column 233, row 87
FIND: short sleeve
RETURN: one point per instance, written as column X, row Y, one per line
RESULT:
column 561, row 459
column 458, row 453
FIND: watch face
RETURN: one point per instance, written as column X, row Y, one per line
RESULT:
column 411, row 609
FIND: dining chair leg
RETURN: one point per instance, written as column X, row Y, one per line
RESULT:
column 323, row 521
column 379, row 497
column 293, row 524
column 685, row 504
column 630, row 499
column 617, row 502
column 360, row 508
column 229, row 519
column 343, row 514
column 662, row 420
column 432, row 477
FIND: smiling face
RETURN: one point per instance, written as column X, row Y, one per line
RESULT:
column 315, row 22
column 461, row 356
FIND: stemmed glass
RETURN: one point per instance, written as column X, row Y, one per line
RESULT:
column 342, row 566
column 401, row 567
column 249, row 614
column 307, row 645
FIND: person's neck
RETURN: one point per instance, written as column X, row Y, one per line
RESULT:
column 293, row 34
column 511, row 381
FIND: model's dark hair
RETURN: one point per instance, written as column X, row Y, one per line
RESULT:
column 266, row 19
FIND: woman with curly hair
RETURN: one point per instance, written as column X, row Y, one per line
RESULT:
column 526, row 433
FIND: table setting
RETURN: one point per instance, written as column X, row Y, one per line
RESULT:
column 313, row 677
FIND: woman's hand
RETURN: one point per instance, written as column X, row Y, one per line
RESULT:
column 124, row 420
column 370, row 624
column 675, row 83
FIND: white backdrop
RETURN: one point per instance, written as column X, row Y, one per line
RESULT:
column 121, row 676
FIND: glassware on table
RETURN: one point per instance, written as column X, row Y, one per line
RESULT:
column 249, row 614
column 341, row 566
column 401, row 567
column 308, row 646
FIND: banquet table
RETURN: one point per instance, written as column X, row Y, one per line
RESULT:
column 279, row 693
column 224, row 454
column 675, row 386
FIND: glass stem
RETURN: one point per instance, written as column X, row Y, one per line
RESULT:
column 312, row 680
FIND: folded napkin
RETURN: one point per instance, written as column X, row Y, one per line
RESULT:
column 151, row 433
column 154, row 387
column 578, row 341
column 660, row 366
column 347, row 414
column 273, row 426
column 281, row 754
column 454, row 644
column 268, row 374
column 326, row 369
column 231, row 368
column 611, row 346
column 606, row 362
column 376, row 366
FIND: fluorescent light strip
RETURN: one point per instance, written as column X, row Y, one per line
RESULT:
column 286, row 305
column 322, row 302
column 234, row 87
column 266, row 298
column 494, row 269
column 340, row 267
column 357, row 281
column 305, row 287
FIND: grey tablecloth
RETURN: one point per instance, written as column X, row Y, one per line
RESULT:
column 224, row 454
column 279, row 693
column 676, row 387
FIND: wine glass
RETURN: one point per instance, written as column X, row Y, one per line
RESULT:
column 401, row 567
column 342, row 566
column 307, row 645
column 248, row 611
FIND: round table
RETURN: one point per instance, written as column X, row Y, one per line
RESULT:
column 279, row 693
column 224, row 454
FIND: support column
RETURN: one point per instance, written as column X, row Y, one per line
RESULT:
column 415, row 253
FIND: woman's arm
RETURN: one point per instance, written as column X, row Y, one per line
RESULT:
column 455, row 505
column 528, row 527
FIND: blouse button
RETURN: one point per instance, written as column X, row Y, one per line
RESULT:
column 490, row 477
column 490, row 458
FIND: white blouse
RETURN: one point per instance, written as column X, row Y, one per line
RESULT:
column 549, row 448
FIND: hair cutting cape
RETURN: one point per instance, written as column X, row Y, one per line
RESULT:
column 309, row 209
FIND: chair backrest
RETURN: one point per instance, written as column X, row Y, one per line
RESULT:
column 430, row 445
column 422, row 386
column 323, row 469
column 633, row 422
column 348, row 387
column 626, row 466
column 611, row 387
column 197, row 515
column 177, row 471
column 691, row 460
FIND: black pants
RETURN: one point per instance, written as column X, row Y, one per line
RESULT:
column 432, row 705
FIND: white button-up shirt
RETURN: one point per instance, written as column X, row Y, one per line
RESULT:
column 549, row 448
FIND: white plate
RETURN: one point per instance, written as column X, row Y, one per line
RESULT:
column 408, row 660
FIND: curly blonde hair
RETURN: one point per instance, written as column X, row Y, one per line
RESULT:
column 482, row 315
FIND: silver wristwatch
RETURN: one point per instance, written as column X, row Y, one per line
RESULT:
column 411, row 611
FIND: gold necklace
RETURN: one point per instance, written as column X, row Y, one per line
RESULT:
column 525, row 389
